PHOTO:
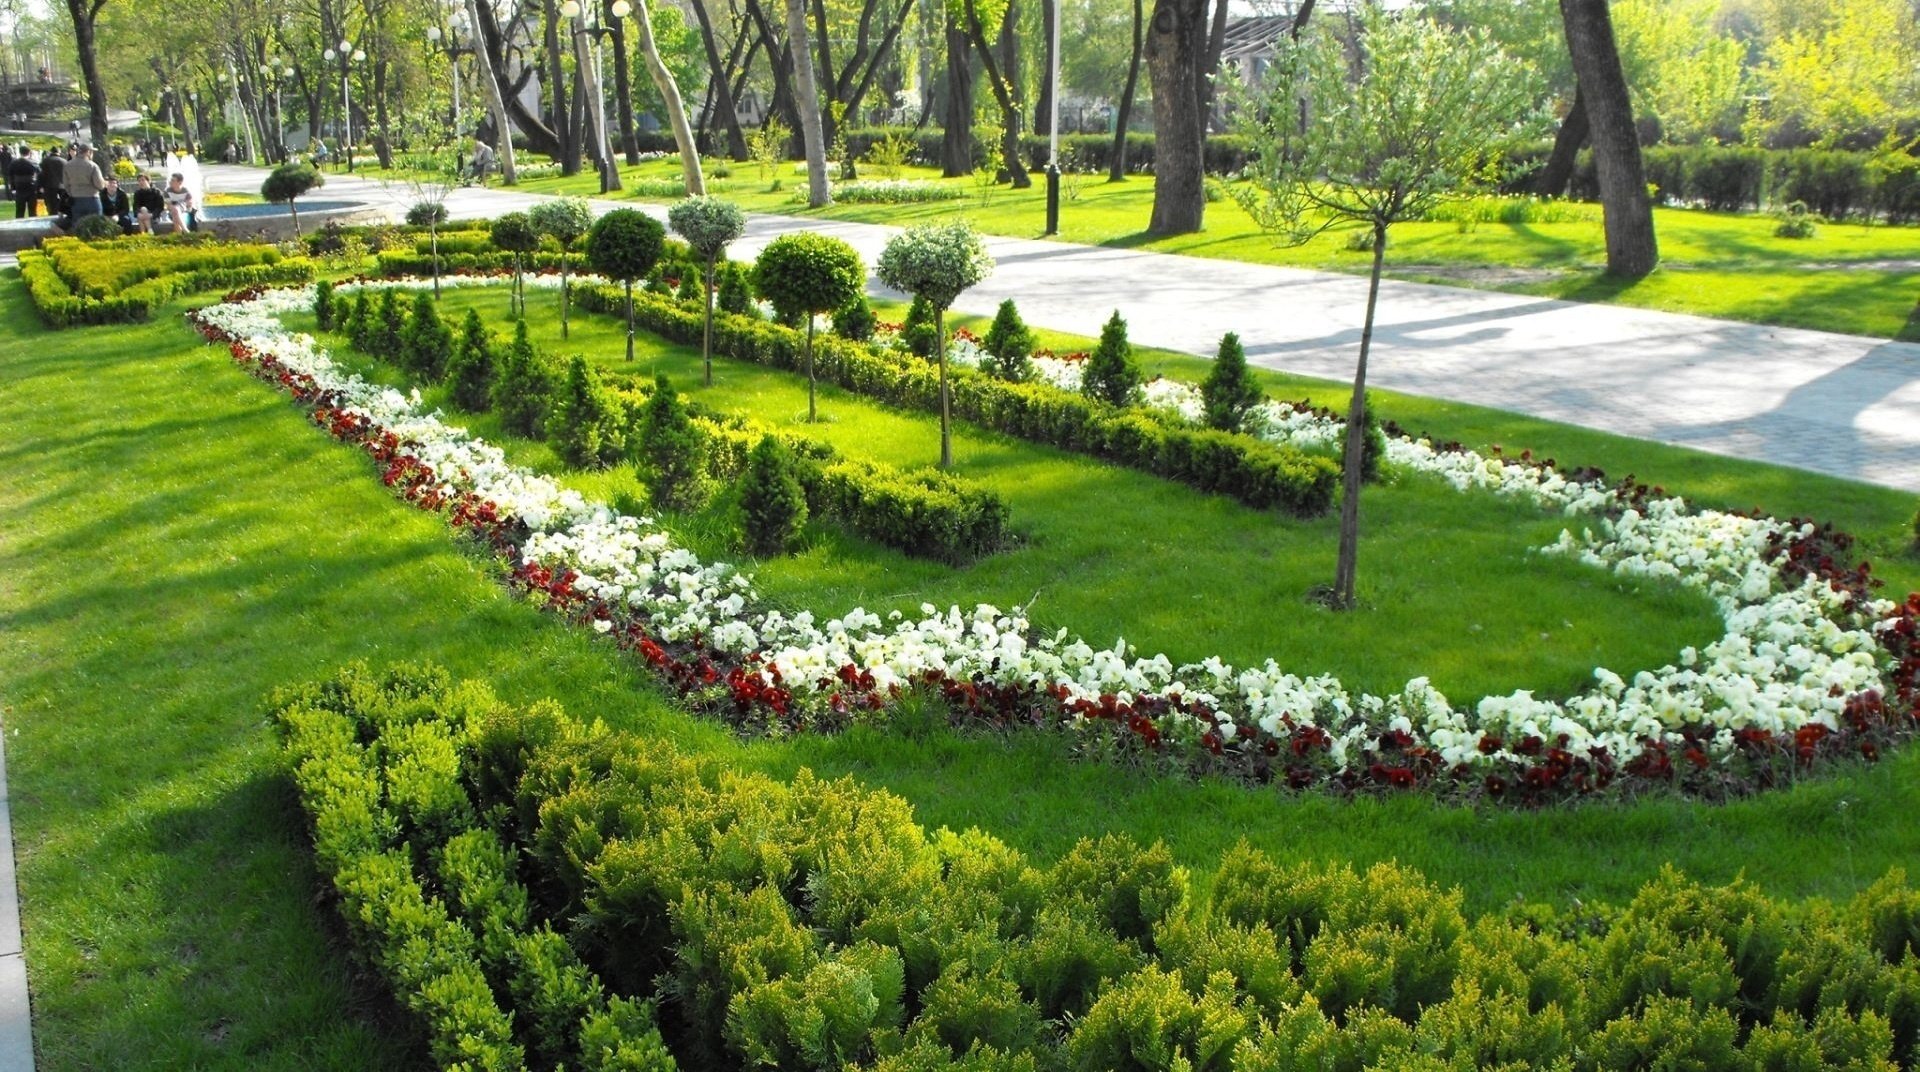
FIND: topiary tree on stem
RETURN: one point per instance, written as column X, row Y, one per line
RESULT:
column 708, row 224
column 805, row 274
column 430, row 214
column 624, row 245
column 566, row 220
column 1110, row 375
column 291, row 181
column 514, row 233
column 1229, row 393
column 1424, row 114
column 936, row 262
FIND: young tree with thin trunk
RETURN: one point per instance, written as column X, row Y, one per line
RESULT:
column 1424, row 114
column 1626, row 210
column 707, row 224
column 936, row 262
column 805, row 274
column 806, row 101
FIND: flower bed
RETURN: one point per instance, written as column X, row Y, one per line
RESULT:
column 1811, row 666
column 895, row 192
column 813, row 924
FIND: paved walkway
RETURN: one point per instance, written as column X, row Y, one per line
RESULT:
column 1836, row 404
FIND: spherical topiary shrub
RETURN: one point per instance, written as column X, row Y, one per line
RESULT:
column 290, row 181
column 624, row 245
column 514, row 233
column 566, row 220
column 708, row 224
column 805, row 274
column 936, row 261
column 773, row 506
column 427, row 214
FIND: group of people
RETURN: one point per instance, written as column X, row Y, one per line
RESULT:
column 73, row 186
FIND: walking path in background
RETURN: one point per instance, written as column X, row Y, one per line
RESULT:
column 1837, row 404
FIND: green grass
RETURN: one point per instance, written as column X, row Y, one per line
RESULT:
column 1713, row 264
column 176, row 541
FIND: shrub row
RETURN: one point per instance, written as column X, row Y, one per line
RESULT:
column 1731, row 178
column 60, row 307
column 812, row 924
column 98, row 270
column 1259, row 474
column 1225, row 153
column 379, row 763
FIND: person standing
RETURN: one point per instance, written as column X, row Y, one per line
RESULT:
column 53, row 182
column 23, row 182
column 84, row 183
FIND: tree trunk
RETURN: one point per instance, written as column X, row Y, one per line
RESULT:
column 382, row 144
column 1572, row 137
column 670, row 100
column 554, row 74
column 1003, row 96
column 706, row 329
column 84, row 13
column 956, row 142
column 496, row 103
column 1043, row 101
column 1175, row 50
column 810, row 412
column 1210, row 65
column 1117, row 160
column 722, row 96
column 1353, row 462
column 946, row 417
column 1627, row 211
column 622, row 81
column 806, row 99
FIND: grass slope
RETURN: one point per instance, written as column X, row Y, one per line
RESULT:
column 176, row 541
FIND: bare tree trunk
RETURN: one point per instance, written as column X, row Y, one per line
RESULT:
column 382, row 143
column 496, row 104
column 85, row 13
column 1353, row 462
column 1175, row 50
column 722, row 97
column 554, row 75
column 1002, row 95
column 956, row 143
column 806, row 99
column 946, row 414
column 1572, row 137
column 1627, row 211
column 583, row 60
column 670, row 100
column 1117, row 160
column 1210, row 63
column 1043, row 102
column 622, row 83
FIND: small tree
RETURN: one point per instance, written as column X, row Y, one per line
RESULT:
column 917, row 330
column 1009, row 345
column 623, row 245
column 359, row 319
column 937, row 262
column 1110, row 375
column 1229, row 393
column 427, row 343
column 323, row 306
column 735, row 295
column 389, row 330
column 805, row 274
column 430, row 214
column 671, row 450
column 773, row 506
column 581, row 423
column 514, row 233
column 522, row 386
column 289, row 182
column 566, row 220
column 471, row 371
column 855, row 320
column 708, row 224
column 1422, row 116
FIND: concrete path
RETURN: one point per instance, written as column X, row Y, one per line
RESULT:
column 1836, row 404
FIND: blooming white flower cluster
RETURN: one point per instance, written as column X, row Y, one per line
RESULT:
column 1790, row 656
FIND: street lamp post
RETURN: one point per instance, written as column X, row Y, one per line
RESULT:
column 609, row 174
column 452, row 48
column 230, row 81
column 273, row 79
column 1053, row 125
column 348, row 54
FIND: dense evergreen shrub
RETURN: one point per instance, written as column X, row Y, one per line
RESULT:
column 735, row 295
column 426, row 346
column 583, row 422
column 670, row 450
column 1228, row 392
column 917, row 330
column 522, row 386
column 323, row 304
column 360, row 320
column 772, row 503
column 470, row 373
column 1008, row 345
column 387, row 330
column 1110, row 374
column 855, row 320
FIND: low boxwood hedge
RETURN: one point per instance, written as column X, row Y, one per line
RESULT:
column 152, row 275
column 811, row 924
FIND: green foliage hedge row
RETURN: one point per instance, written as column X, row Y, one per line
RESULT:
column 809, row 924
column 430, row 894
column 98, row 270
column 1730, row 178
column 60, row 307
column 1259, row 474
column 1225, row 153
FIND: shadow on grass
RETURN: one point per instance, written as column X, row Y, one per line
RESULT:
column 1910, row 331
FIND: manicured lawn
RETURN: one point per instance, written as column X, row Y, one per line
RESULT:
column 176, row 541
column 1849, row 277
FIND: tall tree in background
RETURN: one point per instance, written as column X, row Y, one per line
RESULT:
column 86, row 14
column 1626, row 209
column 1003, row 92
column 484, row 71
column 956, row 142
column 720, row 98
column 1123, row 114
column 1427, row 117
column 807, row 102
column 670, row 101
column 1176, row 52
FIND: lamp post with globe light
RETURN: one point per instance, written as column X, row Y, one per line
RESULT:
column 453, row 48
column 590, row 59
column 348, row 55
column 273, row 75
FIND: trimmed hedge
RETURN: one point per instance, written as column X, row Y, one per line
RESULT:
column 1733, row 178
column 1259, row 474
column 379, row 762
column 811, row 924
column 148, row 283
column 1225, row 153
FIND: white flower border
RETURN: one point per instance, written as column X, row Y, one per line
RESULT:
column 1790, row 656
